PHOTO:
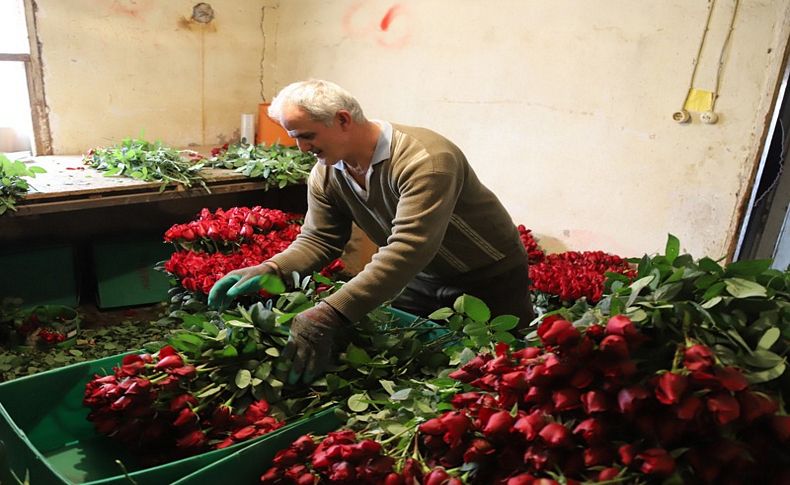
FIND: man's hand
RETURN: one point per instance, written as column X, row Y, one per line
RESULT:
column 313, row 342
column 236, row 283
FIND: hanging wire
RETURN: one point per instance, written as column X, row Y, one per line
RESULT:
column 711, row 4
column 721, row 54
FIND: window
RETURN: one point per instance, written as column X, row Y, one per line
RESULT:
column 20, row 75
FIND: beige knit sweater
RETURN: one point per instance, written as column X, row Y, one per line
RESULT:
column 427, row 211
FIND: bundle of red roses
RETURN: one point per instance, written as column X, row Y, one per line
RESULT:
column 221, row 241
column 151, row 404
column 534, row 253
column 608, row 404
column 572, row 275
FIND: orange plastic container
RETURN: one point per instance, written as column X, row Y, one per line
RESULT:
column 269, row 131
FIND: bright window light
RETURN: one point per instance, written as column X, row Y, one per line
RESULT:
column 13, row 29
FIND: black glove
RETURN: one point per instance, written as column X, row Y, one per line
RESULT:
column 313, row 342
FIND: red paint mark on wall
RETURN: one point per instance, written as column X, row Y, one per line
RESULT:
column 363, row 21
column 387, row 19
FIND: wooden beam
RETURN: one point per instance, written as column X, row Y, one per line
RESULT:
column 15, row 57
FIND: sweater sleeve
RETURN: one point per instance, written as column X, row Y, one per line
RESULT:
column 428, row 194
column 325, row 231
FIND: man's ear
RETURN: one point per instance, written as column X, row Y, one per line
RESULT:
column 343, row 119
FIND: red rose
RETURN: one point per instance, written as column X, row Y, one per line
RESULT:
column 628, row 398
column 558, row 332
column 181, row 401
column 754, row 405
column 670, row 388
column 591, row 429
column 555, row 435
column 689, row 408
column 394, row 479
column 724, row 407
column 621, row 325
column 195, row 439
column 477, row 450
column 615, row 345
column 185, row 417
column 698, row 358
column 566, row 399
column 437, row 476
column 608, row 474
column 595, row 401
column 781, row 427
column 656, row 461
column 498, row 424
column 627, row 454
column 731, row 378
column 530, row 425
column 522, row 479
column 598, row 456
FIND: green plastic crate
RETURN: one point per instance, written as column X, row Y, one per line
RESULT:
column 45, row 432
column 39, row 276
column 125, row 273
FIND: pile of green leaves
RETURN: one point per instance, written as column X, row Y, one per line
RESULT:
column 91, row 344
column 278, row 165
column 740, row 310
column 147, row 161
column 13, row 186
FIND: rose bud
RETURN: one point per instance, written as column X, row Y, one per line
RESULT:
column 627, row 454
column 195, row 439
column 394, row 479
column 477, row 450
column 724, row 407
column 296, row 471
column 628, row 398
column 463, row 376
column 731, row 378
column 304, row 445
column 168, row 362
column 689, row 408
column 698, row 358
column 515, row 380
column 455, row 481
column 598, row 455
column 670, row 388
column 536, row 457
column 121, row 403
column 181, row 401
column 185, row 417
column 781, row 426
column 437, row 476
column 656, row 461
column 342, row 472
column 306, row 478
column 566, row 399
column 244, row 433
column 286, row 457
column 522, row 479
column 591, row 430
column 530, row 425
column 272, row 475
column 456, row 425
column 608, row 474
column 498, row 424
column 527, row 353
column 621, row 325
column 615, row 345
column 432, row 427
column 595, row 402
column 167, row 350
column 558, row 332
column 548, row 481
column 582, row 378
column 555, row 435
column 412, row 471
column 755, row 405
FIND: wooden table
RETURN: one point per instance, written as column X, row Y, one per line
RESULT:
column 70, row 185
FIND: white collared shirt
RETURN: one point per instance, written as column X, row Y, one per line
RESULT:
column 380, row 154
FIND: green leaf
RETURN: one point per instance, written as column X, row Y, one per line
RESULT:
column 505, row 337
column 672, row 249
column 504, row 323
column 709, row 265
column 272, row 284
column 401, row 395
column 762, row 359
column 441, row 314
column 714, row 290
column 766, row 375
column 210, row 391
column 356, row 355
column 741, row 288
column 748, row 267
column 712, row 302
column 272, row 351
column 475, row 329
column 769, row 338
column 243, row 378
column 473, row 307
column 388, row 386
column 358, row 403
column 638, row 286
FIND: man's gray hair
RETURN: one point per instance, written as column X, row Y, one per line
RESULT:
column 320, row 99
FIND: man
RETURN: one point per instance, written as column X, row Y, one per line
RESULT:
column 441, row 233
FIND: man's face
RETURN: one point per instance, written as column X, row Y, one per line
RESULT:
column 325, row 142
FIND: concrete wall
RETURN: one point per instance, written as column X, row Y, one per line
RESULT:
column 563, row 108
column 120, row 68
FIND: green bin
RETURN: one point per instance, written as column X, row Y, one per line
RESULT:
column 45, row 433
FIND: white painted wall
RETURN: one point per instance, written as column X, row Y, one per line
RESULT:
column 563, row 107
column 120, row 68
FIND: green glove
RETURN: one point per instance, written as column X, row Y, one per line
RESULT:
column 313, row 342
column 229, row 287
